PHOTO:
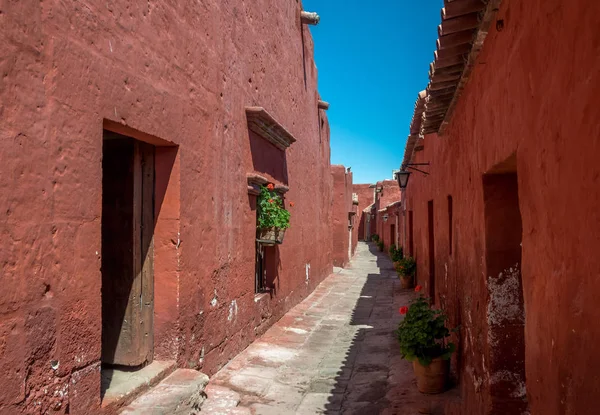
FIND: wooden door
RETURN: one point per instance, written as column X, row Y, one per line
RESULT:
column 127, row 251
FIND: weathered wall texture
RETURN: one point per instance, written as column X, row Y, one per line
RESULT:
column 531, row 109
column 183, row 73
column 390, row 229
column 342, row 207
column 389, row 195
column 365, row 199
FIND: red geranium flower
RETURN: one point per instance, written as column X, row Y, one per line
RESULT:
column 418, row 288
column 270, row 186
column 403, row 310
column 292, row 204
column 271, row 201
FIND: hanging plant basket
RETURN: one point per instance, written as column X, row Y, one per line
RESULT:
column 270, row 236
column 273, row 219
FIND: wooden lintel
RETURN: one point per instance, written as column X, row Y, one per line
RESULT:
column 323, row 105
column 311, row 18
column 458, row 24
column 461, row 7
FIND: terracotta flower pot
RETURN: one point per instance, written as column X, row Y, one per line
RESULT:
column 407, row 282
column 271, row 236
column 433, row 378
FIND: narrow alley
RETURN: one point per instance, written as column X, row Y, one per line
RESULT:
column 299, row 207
column 333, row 353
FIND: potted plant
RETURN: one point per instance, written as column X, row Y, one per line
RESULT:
column 375, row 238
column 423, row 340
column 396, row 254
column 273, row 218
column 380, row 245
column 406, row 268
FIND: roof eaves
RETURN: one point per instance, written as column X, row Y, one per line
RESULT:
column 464, row 27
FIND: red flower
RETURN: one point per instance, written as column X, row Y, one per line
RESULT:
column 270, row 186
column 292, row 204
column 403, row 310
column 271, row 201
column 418, row 288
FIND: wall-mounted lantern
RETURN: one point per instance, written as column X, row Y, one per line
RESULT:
column 385, row 217
column 402, row 177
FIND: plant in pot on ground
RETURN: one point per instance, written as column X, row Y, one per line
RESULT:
column 380, row 245
column 396, row 254
column 423, row 340
column 406, row 268
column 273, row 218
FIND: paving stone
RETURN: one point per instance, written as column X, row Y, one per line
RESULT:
column 334, row 353
column 219, row 397
column 319, row 403
column 180, row 392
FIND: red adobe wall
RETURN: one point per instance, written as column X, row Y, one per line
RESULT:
column 365, row 198
column 173, row 74
column 535, row 104
column 389, row 195
column 342, row 206
column 390, row 229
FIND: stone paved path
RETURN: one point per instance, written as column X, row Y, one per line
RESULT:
column 334, row 353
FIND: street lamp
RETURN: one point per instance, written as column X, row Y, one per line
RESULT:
column 402, row 177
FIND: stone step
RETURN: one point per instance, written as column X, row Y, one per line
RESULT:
column 222, row 401
column 180, row 393
column 121, row 386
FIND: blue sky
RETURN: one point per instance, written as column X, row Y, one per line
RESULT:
column 373, row 58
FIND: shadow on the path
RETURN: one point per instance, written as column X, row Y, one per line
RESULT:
column 383, row 261
column 373, row 377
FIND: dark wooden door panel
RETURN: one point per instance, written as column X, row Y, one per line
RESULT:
column 127, row 252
